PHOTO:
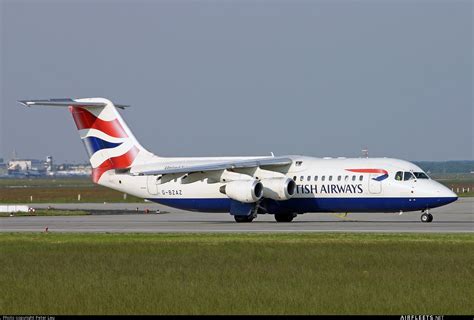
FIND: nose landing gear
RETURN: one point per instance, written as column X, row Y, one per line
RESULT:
column 426, row 217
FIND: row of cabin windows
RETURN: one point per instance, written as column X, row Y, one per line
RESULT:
column 323, row 178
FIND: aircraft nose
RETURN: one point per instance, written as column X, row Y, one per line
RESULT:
column 446, row 195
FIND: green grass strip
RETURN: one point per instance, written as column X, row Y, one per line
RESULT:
column 236, row 273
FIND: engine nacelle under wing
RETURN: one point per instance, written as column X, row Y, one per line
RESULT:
column 278, row 188
column 246, row 191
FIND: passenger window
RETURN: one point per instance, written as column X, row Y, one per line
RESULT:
column 399, row 176
column 315, row 178
column 361, row 177
column 353, row 178
column 323, row 178
column 330, row 178
column 346, row 178
column 309, row 178
column 338, row 178
column 301, row 178
column 407, row 176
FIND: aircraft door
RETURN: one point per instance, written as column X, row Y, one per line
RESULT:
column 375, row 186
column 152, row 184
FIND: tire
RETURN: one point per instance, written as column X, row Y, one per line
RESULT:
column 284, row 217
column 244, row 218
column 430, row 217
column 425, row 217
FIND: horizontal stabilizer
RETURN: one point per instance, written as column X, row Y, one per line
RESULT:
column 65, row 103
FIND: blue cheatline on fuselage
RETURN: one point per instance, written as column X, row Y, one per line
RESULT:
column 302, row 205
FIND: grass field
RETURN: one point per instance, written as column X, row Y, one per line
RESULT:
column 236, row 274
column 58, row 190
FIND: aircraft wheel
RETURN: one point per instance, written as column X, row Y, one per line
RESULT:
column 244, row 218
column 284, row 217
column 425, row 217
column 430, row 217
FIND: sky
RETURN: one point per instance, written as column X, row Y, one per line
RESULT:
column 227, row 78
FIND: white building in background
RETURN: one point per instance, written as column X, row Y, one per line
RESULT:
column 25, row 165
column 73, row 170
column 34, row 167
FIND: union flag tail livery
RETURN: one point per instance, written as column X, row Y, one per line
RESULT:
column 284, row 186
column 108, row 141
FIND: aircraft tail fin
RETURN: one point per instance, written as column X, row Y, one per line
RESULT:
column 109, row 142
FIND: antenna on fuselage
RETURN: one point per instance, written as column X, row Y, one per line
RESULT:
column 365, row 152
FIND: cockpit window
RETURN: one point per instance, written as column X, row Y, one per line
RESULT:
column 407, row 176
column 399, row 176
column 420, row 175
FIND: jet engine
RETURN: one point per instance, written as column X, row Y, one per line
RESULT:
column 278, row 188
column 247, row 191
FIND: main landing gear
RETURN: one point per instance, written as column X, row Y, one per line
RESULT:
column 285, row 217
column 244, row 218
column 279, row 217
column 249, row 218
column 426, row 217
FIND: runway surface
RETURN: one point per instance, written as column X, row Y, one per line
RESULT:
column 456, row 217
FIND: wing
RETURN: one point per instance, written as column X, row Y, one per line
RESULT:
column 230, row 170
column 235, row 164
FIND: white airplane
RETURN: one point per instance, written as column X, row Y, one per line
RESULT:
column 246, row 186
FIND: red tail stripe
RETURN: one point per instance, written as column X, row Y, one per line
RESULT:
column 123, row 161
column 86, row 120
column 368, row 170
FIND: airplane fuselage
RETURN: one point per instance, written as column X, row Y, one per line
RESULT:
column 246, row 186
column 322, row 185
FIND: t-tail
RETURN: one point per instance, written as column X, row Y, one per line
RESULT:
column 109, row 142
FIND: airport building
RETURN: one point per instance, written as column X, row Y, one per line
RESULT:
column 26, row 167
column 34, row 167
